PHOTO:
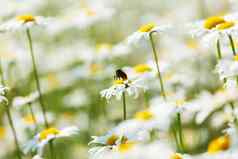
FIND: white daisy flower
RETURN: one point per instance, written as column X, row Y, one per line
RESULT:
column 142, row 35
column 23, row 22
column 47, row 135
column 110, row 142
column 123, row 84
column 215, row 27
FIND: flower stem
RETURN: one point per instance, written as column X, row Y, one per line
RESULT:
column 124, row 105
column 146, row 102
column 180, row 133
column 177, row 132
column 28, row 33
column 232, row 45
column 233, row 111
column 52, row 153
column 175, row 137
column 33, row 117
column 37, row 77
column 233, row 48
column 219, row 54
column 2, row 75
column 9, row 117
column 157, row 64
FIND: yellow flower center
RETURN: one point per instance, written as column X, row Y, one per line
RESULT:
column 176, row 156
column 125, row 147
column 225, row 25
column 26, row 18
column 104, row 46
column 180, row 102
column 2, row 132
column 144, row 115
column 29, row 119
column 147, row 28
column 212, row 22
column 118, row 81
column 142, row 68
column 236, row 58
column 112, row 140
column 50, row 131
column 219, row 144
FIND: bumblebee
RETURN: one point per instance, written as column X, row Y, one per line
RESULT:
column 120, row 75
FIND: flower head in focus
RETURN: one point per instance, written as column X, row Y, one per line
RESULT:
column 123, row 84
column 216, row 27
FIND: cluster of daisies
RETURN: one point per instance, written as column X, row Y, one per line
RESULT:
column 157, row 130
column 179, row 103
column 43, row 133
